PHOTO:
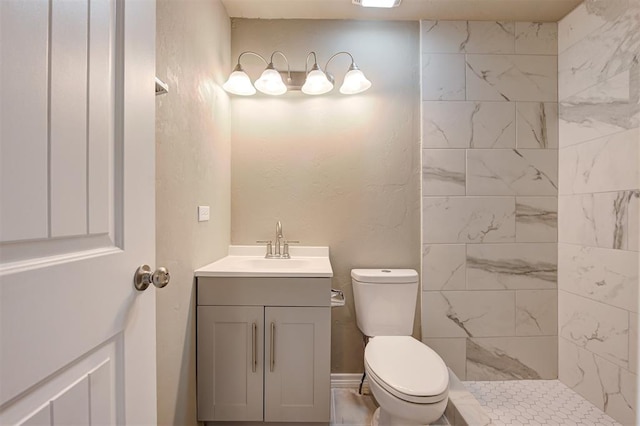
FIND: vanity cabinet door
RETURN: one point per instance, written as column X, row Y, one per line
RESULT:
column 230, row 362
column 297, row 364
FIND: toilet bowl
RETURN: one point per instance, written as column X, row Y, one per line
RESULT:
column 408, row 379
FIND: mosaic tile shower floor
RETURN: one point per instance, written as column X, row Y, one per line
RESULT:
column 536, row 402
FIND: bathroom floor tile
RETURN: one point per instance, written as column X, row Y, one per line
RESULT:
column 350, row 408
column 536, row 403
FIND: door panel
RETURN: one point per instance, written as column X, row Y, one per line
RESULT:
column 68, row 123
column 23, row 163
column 97, row 367
column 77, row 211
column 41, row 417
column 230, row 338
column 297, row 380
column 100, row 118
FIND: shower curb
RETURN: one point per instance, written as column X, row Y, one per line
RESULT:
column 463, row 408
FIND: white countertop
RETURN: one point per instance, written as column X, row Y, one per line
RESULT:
column 249, row 261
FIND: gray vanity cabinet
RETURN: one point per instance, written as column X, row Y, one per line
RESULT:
column 262, row 362
column 297, row 364
column 230, row 363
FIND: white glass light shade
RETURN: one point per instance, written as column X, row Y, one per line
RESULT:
column 270, row 83
column 379, row 3
column 354, row 82
column 239, row 84
column 316, row 83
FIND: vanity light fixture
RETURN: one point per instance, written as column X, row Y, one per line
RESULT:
column 377, row 3
column 312, row 81
column 270, row 82
column 354, row 81
column 317, row 82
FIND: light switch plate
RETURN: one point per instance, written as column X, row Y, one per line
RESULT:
column 203, row 213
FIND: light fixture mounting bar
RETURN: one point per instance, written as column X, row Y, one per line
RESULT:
column 297, row 79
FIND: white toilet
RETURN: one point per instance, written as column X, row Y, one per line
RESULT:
column 408, row 379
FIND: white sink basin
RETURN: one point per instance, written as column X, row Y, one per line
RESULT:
column 296, row 264
column 249, row 261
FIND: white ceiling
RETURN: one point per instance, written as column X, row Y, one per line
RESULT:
column 472, row 10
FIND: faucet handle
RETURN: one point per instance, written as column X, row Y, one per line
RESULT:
column 285, row 249
column 269, row 244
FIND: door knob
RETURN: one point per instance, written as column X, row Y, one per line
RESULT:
column 144, row 277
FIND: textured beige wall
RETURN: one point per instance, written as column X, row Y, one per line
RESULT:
column 193, row 168
column 337, row 170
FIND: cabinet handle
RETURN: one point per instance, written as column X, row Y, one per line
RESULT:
column 272, row 349
column 254, row 344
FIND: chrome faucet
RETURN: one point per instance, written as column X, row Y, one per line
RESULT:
column 279, row 238
column 281, row 249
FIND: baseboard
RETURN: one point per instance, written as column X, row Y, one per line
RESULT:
column 348, row 380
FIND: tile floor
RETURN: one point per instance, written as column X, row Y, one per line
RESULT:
column 536, row 402
column 348, row 408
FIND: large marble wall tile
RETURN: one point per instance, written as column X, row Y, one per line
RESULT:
column 587, row 18
column 443, row 172
column 443, row 77
column 633, row 342
column 536, row 219
column 453, row 352
column 598, row 220
column 494, row 131
column 605, row 275
column 633, row 224
column 537, row 125
column 578, row 370
column 493, row 125
column 621, row 399
column 601, row 55
column 511, row 78
column 512, row 266
column 468, row 313
column 467, row 37
column 599, row 328
column 537, row 313
column 443, row 36
column 604, row 384
column 512, row 172
column 443, row 267
column 447, row 124
column 490, row 37
column 468, row 125
column 512, row 358
column 468, row 219
column 609, row 107
column 606, row 164
column 537, row 38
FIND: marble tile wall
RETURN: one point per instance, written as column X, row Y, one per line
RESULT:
column 490, row 188
column 598, row 216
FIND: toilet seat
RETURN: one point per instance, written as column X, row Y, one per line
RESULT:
column 407, row 369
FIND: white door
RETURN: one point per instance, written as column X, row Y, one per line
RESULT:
column 77, row 341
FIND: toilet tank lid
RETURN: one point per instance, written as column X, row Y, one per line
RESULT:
column 385, row 275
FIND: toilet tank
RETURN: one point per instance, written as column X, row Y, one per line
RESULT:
column 385, row 300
